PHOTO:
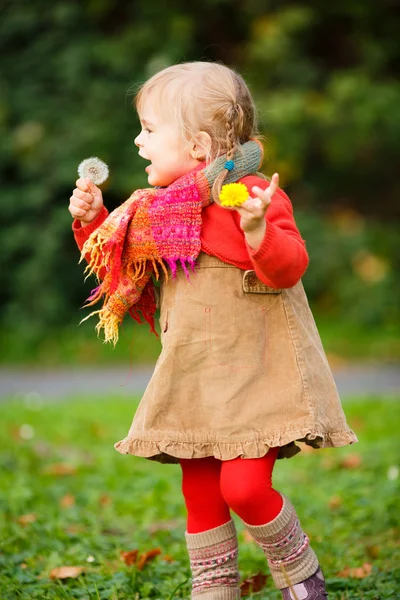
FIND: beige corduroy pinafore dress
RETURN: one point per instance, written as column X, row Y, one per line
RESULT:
column 242, row 369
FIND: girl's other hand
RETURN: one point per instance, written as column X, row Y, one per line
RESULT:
column 86, row 201
column 252, row 213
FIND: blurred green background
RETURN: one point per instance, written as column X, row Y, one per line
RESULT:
column 324, row 79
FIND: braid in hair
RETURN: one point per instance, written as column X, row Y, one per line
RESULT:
column 230, row 131
column 234, row 120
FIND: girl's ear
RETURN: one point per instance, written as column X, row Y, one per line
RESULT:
column 201, row 146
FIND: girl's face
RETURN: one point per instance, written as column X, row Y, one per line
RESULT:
column 161, row 143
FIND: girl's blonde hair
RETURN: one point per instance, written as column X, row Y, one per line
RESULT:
column 202, row 96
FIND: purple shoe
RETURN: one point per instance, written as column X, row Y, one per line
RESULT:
column 312, row 588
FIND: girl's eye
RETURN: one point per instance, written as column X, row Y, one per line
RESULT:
column 147, row 130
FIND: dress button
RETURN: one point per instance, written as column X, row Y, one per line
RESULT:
column 252, row 280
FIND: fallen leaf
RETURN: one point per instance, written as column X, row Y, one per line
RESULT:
column 27, row 519
column 14, row 431
column 59, row 469
column 66, row 572
column 75, row 529
column 373, row 551
column 357, row 423
column 67, row 501
column 147, row 557
column 168, row 558
column 351, row 461
column 356, row 572
column 105, row 500
column 335, row 502
column 247, row 537
column 129, row 557
column 253, row 584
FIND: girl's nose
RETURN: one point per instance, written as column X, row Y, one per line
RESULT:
column 137, row 140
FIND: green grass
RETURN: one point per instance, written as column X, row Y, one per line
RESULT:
column 122, row 503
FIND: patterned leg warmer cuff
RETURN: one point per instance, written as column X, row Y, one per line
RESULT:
column 287, row 548
column 213, row 561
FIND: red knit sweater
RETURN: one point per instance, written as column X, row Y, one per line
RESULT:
column 281, row 260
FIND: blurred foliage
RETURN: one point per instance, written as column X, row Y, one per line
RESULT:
column 323, row 75
column 355, row 265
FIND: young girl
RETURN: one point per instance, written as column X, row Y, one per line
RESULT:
column 242, row 374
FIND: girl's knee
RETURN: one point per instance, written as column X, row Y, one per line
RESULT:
column 242, row 493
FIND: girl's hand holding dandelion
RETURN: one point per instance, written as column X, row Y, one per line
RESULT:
column 86, row 201
column 252, row 210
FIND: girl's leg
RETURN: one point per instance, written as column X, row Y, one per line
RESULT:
column 246, row 485
column 211, row 535
column 205, row 505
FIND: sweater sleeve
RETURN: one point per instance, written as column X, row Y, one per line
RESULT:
column 81, row 234
column 282, row 258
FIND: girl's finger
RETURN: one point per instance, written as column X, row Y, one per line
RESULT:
column 76, row 213
column 266, row 195
column 249, row 207
column 260, row 202
column 273, row 186
column 262, row 196
column 78, row 203
column 248, row 214
column 83, row 195
column 86, row 185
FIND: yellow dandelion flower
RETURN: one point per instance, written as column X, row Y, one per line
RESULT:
column 233, row 194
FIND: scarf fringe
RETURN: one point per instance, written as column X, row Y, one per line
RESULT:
column 138, row 274
column 93, row 250
column 108, row 321
column 95, row 296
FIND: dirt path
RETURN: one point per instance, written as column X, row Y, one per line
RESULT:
column 354, row 380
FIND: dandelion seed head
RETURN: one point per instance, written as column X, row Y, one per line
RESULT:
column 95, row 169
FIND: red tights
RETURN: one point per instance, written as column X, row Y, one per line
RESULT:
column 211, row 487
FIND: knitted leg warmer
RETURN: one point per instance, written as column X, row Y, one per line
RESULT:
column 287, row 548
column 213, row 561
